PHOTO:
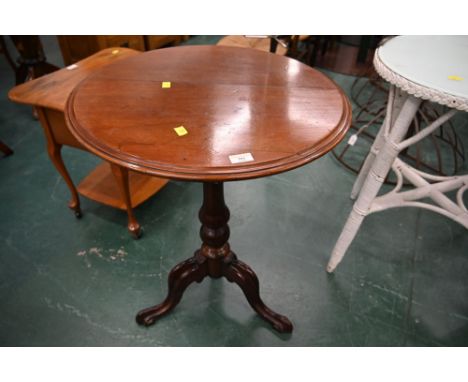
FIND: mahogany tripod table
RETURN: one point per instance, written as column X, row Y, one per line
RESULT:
column 209, row 114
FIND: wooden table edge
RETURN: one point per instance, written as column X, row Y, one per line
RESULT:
column 241, row 172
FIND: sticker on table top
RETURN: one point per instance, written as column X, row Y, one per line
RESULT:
column 115, row 51
column 455, row 78
column 166, row 84
column 241, row 158
column 181, row 130
column 71, row 67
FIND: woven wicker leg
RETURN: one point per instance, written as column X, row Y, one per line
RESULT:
column 374, row 180
column 366, row 166
column 395, row 103
column 344, row 241
column 369, row 191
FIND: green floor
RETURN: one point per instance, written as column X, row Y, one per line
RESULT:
column 69, row 282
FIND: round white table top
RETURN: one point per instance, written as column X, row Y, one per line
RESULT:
column 439, row 63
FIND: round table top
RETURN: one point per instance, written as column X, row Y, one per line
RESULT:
column 437, row 64
column 228, row 113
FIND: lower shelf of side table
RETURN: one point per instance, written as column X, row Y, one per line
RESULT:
column 101, row 186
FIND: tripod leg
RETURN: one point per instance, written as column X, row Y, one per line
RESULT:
column 241, row 274
column 180, row 277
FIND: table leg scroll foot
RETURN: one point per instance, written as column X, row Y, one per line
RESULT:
column 181, row 276
column 241, row 274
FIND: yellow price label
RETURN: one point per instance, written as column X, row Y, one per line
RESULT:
column 166, row 85
column 455, row 78
column 181, row 130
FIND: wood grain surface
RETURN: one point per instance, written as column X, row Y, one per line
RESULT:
column 51, row 91
column 230, row 100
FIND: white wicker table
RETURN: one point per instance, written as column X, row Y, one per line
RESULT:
column 433, row 68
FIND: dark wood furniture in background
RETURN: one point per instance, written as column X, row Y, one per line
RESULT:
column 3, row 50
column 276, row 112
column 295, row 46
column 75, row 48
column 351, row 55
column 266, row 43
column 31, row 62
column 155, row 42
column 48, row 95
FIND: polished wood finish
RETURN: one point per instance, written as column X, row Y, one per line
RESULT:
column 52, row 91
column 121, row 176
column 54, row 149
column 214, row 259
column 99, row 184
column 49, row 94
column 231, row 101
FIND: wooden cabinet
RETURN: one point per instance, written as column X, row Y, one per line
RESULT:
column 75, row 48
column 155, row 42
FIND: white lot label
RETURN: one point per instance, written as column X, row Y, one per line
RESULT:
column 241, row 158
column 352, row 140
